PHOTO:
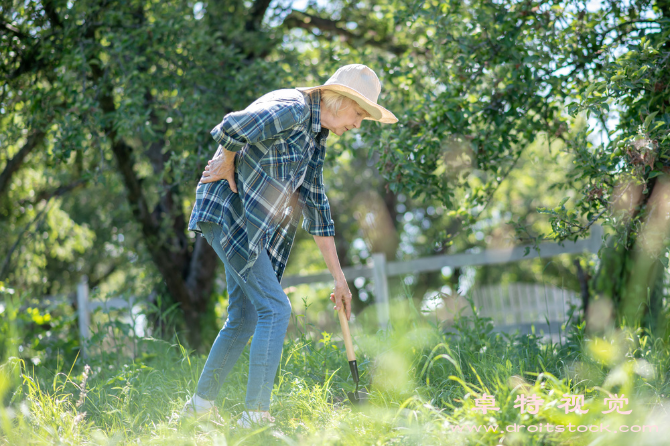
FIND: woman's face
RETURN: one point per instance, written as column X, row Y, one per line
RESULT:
column 350, row 118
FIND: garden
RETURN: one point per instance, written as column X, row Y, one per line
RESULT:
column 505, row 243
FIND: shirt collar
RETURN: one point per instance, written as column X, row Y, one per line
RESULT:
column 315, row 106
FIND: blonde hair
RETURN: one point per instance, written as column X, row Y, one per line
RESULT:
column 336, row 102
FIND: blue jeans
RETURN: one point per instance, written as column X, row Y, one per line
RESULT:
column 259, row 308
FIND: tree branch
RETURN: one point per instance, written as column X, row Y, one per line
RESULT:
column 97, row 280
column 583, row 285
column 167, row 206
column 257, row 14
column 39, row 216
column 12, row 29
column 160, row 253
column 629, row 22
column 50, row 10
column 299, row 19
column 34, row 139
column 60, row 190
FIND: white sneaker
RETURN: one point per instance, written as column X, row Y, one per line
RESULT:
column 252, row 418
column 197, row 406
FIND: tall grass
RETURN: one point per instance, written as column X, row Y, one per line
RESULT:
column 422, row 381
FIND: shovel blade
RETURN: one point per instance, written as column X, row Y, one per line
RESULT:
column 357, row 398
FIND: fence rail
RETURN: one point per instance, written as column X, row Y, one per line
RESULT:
column 379, row 270
column 434, row 263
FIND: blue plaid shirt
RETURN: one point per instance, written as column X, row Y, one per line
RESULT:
column 278, row 138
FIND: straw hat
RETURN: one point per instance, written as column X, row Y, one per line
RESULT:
column 360, row 83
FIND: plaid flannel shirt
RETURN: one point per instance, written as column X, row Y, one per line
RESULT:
column 277, row 139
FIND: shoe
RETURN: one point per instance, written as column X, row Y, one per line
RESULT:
column 192, row 409
column 250, row 419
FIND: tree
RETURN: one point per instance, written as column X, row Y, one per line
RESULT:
column 628, row 184
column 138, row 82
column 124, row 93
column 507, row 72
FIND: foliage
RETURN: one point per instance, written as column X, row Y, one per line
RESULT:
column 422, row 384
column 34, row 331
column 104, row 120
column 502, row 75
column 105, row 117
column 631, row 156
column 506, row 75
column 113, row 101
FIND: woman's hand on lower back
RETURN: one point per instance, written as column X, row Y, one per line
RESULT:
column 221, row 167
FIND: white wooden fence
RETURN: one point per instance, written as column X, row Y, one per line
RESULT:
column 518, row 306
column 379, row 269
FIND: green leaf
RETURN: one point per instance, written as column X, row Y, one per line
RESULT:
column 649, row 119
column 590, row 89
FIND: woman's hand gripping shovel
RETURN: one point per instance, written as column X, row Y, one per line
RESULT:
column 355, row 397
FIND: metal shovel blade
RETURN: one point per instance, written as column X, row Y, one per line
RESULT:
column 358, row 397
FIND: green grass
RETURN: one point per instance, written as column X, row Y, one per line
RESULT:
column 422, row 383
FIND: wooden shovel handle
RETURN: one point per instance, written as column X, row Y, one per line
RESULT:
column 351, row 356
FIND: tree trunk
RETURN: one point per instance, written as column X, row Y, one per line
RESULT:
column 187, row 268
column 188, row 275
column 631, row 272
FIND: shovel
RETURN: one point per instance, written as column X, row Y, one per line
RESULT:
column 355, row 397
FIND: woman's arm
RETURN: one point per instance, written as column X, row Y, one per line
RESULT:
column 341, row 294
column 257, row 122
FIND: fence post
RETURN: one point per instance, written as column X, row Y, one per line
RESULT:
column 381, row 289
column 82, row 309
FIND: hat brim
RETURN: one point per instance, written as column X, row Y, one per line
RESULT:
column 377, row 112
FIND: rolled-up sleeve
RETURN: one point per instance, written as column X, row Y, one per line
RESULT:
column 316, row 215
column 258, row 122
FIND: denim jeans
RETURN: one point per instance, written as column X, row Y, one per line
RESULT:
column 259, row 308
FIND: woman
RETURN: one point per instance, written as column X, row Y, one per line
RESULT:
column 266, row 173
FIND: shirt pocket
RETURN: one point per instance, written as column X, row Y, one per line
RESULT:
column 281, row 160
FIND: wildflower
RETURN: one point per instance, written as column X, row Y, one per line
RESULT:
column 78, row 419
column 82, row 387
